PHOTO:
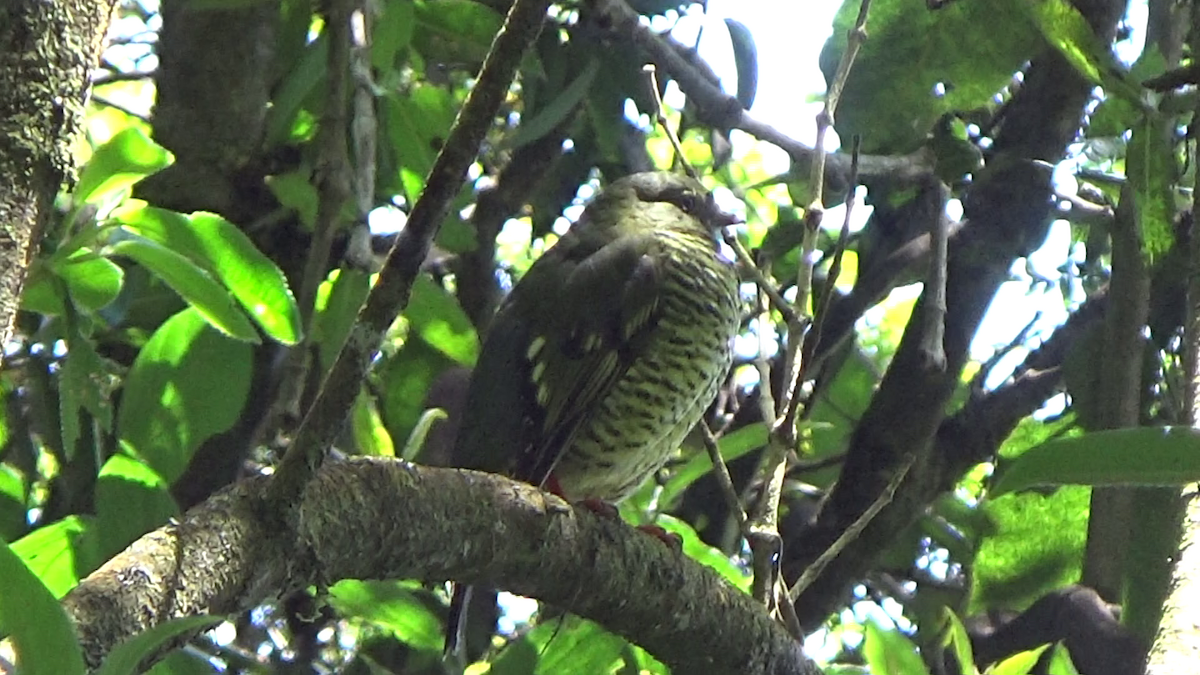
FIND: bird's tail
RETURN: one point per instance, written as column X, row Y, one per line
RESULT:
column 456, row 623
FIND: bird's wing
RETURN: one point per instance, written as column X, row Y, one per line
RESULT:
column 582, row 315
column 607, row 308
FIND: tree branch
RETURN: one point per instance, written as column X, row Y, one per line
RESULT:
column 384, row 519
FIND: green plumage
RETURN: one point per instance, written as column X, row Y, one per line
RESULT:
column 608, row 351
column 610, row 348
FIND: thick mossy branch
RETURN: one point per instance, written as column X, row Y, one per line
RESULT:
column 384, row 519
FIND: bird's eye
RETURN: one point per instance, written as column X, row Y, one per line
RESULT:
column 688, row 202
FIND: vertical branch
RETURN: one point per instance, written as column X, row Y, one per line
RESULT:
column 1119, row 397
column 1175, row 647
column 763, row 528
column 363, row 124
column 391, row 292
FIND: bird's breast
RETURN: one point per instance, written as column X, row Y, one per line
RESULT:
column 642, row 420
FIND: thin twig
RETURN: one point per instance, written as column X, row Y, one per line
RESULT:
column 780, row 303
column 660, row 116
column 723, row 478
column 782, row 440
column 835, row 266
column 851, row 533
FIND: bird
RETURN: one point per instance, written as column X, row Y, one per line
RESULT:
column 608, row 350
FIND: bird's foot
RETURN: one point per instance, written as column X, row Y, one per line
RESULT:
column 606, row 509
column 671, row 539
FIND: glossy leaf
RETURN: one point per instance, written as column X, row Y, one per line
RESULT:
column 338, row 300
column 704, row 554
column 220, row 248
column 390, row 605
column 891, row 652
column 1065, row 28
column 370, row 435
column 131, row 500
column 393, row 32
column 1021, row 663
column 437, row 318
column 287, row 102
column 31, row 617
column 192, row 284
column 732, row 445
column 14, row 495
column 924, row 64
column 549, row 117
column 92, row 281
column 59, row 553
column 1138, row 456
column 115, row 166
column 188, row 383
column 417, row 124
column 568, row 647
column 124, row 659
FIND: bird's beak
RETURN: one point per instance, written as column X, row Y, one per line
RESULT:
column 723, row 219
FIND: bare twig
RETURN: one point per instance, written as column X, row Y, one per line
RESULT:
column 660, row 115
column 722, row 473
column 835, row 266
column 764, row 521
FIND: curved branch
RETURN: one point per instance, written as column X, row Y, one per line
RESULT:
column 376, row 518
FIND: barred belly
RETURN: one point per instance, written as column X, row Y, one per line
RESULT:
column 646, row 415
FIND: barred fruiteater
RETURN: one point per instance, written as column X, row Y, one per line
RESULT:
column 610, row 348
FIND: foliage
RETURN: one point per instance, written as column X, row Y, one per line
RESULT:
column 151, row 362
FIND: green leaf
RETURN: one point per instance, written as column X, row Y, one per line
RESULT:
column 1021, row 663
column 188, row 383
column 192, row 284
column 1036, row 546
column 889, row 651
column 435, row 316
column 88, row 382
column 968, row 49
column 1150, row 163
column 131, row 500
column 295, row 88
column 566, row 647
column 704, row 554
column 549, row 117
column 1137, row 456
column 115, row 166
column 957, row 640
column 732, row 445
column 1067, row 31
column 124, row 659
column 41, row 634
column 295, row 190
column 393, row 31
column 454, row 31
column 255, row 281
column 417, row 125
column 92, row 281
column 220, row 248
column 745, row 59
column 14, row 494
column 370, row 435
column 390, row 605
column 338, row 301
column 59, row 553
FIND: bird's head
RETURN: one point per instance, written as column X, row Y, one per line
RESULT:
column 658, row 200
